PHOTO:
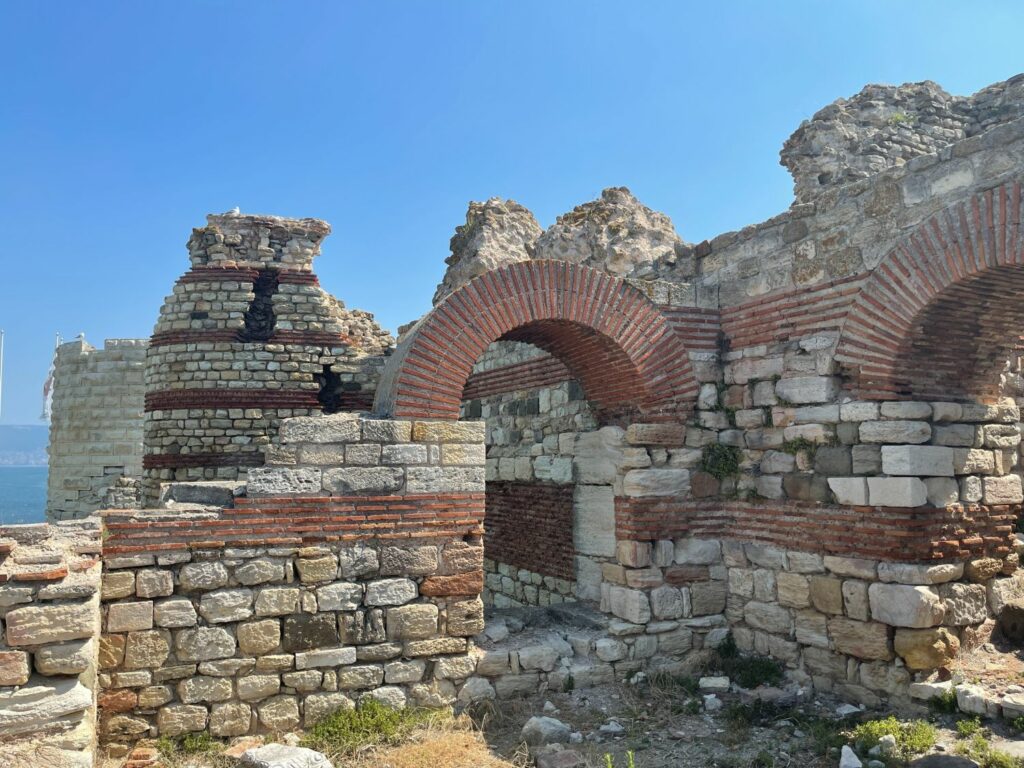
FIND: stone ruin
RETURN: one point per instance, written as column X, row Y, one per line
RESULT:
column 805, row 435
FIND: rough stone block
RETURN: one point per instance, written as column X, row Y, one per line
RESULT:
column 355, row 480
column 283, row 481
column 917, row 460
column 906, row 606
column 807, row 389
column 861, row 639
column 849, row 490
column 656, row 482
column 1003, row 490
column 898, row 432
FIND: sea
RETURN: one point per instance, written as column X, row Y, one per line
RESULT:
column 22, row 495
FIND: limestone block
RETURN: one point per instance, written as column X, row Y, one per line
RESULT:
column 362, row 627
column 465, row 617
column 413, row 453
column 408, row 561
column 698, row 551
column 14, row 668
column 633, row 554
column 445, row 479
column 897, row 492
column 629, row 604
column 849, row 490
column 317, row 567
column 970, row 489
column 174, row 612
column 126, row 617
column 656, row 434
column 741, row 582
column 858, row 410
column 960, row 435
column 449, row 431
column 675, row 642
column 826, row 594
column 1004, row 591
column 807, row 389
column 118, row 584
column 855, row 599
column 708, row 598
column 277, row 601
column 1001, row 435
column 390, row 592
column 343, row 481
column 906, row 606
column 981, row 569
column 965, row 604
column 594, row 520
column 279, row 714
column 147, row 649
column 386, row 430
column 656, row 482
column 942, row 491
column 917, row 460
column 768, row 617
column 204, row 644
column 259, row 638
column 666, row 603
column 357, row 560
column 259, row 571
column 360, row 676
column 861, row 639
column 334, row 428
column 1003, row 490
column 205, row 689
column 765, row 555
column 283, row 481
column 555, row 469
column 794, row 590
column 906, row 409
column 178, row 719
column 111, row 651
column 45, row 624
column 914, row 432
column 340, row 596
column 72, row 658
column 973, row 461
column 866, row 459
column 226, row 605
column 908, row 573
column 327, row 657
column 404, row 671
column 412, row 622
column 811, row 629
column 805, row 562
column 203, row 576
column 926, row 648
column 230, row 719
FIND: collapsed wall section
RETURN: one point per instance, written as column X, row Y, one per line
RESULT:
column 247, row 338
column 95, row 450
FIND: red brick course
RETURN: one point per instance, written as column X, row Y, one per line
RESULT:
column 294, row 521
column 883, row 533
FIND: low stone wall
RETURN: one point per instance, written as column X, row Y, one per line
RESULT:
column 50, row 611
column 240, row 640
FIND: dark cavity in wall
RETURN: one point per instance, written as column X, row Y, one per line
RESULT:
column 335, row 395
column 259, row 317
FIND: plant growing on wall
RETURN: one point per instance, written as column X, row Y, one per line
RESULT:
column 720, row 461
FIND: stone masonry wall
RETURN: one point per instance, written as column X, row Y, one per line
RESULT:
column 246, row 339
column 352, row 568
column 96, row 425
column 49, row 629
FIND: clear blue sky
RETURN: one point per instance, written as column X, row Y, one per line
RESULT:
column 123, row 123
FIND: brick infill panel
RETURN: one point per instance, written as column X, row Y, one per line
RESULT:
column 953, row 533
column 293, row 521
column 213, row 398
column 529, row 525
column 529, row 374
column 186, row 460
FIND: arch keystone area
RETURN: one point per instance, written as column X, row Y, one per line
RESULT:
column 940, row 315
column 610, row 336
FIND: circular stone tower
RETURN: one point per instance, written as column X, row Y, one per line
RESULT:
column 246, row 339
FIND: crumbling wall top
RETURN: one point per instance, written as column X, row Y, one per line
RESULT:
column 255, row 240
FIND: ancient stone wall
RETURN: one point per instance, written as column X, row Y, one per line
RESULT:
column 352, row 568
column 95, row 427
column 50, row 615
column 248, row 338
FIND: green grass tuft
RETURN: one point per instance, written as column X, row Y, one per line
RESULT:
column 371, row 723
column 720, row 461
column 912, row 738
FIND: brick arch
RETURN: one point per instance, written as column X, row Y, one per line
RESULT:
column 941, row 313
column 609, row 335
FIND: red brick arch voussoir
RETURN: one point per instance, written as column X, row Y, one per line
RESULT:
column 610, row 336
column 941, row 312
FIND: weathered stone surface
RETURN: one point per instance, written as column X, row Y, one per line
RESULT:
column 910, row 573
column 390, row 592
column 327, row 657
column 282, row 756
column 174, row 612
column 708, row 597
column 277, row 601
column 285, row 481
column 257, row 687
column 308, row 631
column 178, row 719
column 204, row 689
column 147, row 649
column 45, row 624
column 807, row 389
column 981, row 569
column 656, row 482
column 926, row 648
column 259, row 571
column 230, row 719
column 906, row 606
column 897, row 492
column 258, row 638
column 768, row 617
column 913, row 432
column 965, row 604
column 408, row 561
column 826, row 594
column 412, row 622
column 202, row 576
column 356, row 480
column 27, row 709
column 862, row 639
column 71, row 658
column 630, row 604
column 465, row 617
column 793, row 589
column 14, row 668
column 226, row 605
column 917, row 460
column 204, row 644
column 280, row 713
column 698, row 551
column 545, row 730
